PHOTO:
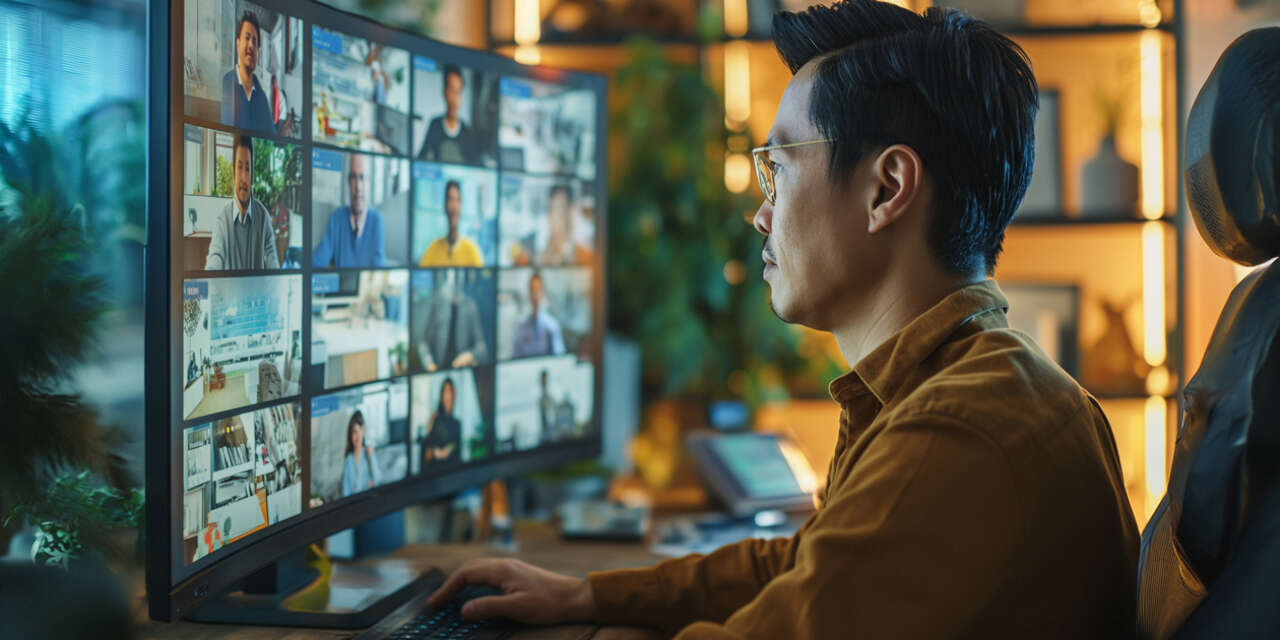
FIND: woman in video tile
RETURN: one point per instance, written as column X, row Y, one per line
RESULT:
column 359, row 470
column 441, row 445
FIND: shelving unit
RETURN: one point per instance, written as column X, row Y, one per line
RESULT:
column 1132, row 55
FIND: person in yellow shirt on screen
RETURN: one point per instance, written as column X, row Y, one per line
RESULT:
column 454, row 249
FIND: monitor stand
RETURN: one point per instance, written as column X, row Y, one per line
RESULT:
column 307, row 589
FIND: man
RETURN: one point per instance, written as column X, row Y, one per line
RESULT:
column 452, row 250
column 975, row 489
column 539, row 334
column 449, row 139
column 452, row 334
column 242, row 235
column 244, row 103
column 562, row 248
column 353, row 237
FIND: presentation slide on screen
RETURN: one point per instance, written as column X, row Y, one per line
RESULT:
column 360, row 210
column 543, row 312
column 453, row 318
column 359, row 440
column 359, row 326
column 242, row 341
column 359, row 93
column 455, row 114
column 450, row 418
column 546, row 128
column 241, row 202
column 242, row 66
column 241, row 473
column 546, row 221
column 557, row 406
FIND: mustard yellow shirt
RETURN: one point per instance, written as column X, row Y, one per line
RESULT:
column 975, row 492
column 465, row 253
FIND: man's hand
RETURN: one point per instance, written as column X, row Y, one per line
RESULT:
column 464, row 359
column 531, row 595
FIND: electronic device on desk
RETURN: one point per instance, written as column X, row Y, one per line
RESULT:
column 243, row 481
column 603, row 520
column 751, row 472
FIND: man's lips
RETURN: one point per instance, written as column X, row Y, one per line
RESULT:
column 768, row 259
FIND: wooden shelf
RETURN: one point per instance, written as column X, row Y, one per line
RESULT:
column 692, row 40
column 1085, row 221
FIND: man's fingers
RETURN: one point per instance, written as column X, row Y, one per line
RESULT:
column 485, row 571
column 490, row 607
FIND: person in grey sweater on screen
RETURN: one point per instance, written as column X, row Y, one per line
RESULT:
column 242, row 234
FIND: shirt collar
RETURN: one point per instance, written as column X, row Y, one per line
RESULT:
column 253, row 81
column 885, row 369
column 357, row 228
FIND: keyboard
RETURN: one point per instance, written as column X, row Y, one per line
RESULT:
column 447, row 623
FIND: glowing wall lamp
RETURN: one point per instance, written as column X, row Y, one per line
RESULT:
column 528, row 30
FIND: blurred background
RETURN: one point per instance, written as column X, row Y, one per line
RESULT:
column 1102, row 264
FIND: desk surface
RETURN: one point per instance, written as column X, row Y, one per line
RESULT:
column 538, row 543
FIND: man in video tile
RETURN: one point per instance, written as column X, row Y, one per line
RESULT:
column 354, row 236
column 562, row 247
column 244, row 103
column 453, row 336
column 539, row 334
column 449, row 139
column 242, row 234
column 454, row 249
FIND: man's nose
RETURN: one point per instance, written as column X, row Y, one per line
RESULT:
column 763, row 219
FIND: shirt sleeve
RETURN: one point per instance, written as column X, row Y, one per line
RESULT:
column 911, row 545
column 348, row 471
column 216, row 258
column 679, row 591
column 322, row 256
column 380, row 240
column 479, row 349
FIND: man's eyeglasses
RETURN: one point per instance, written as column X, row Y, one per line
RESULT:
column 764, row 166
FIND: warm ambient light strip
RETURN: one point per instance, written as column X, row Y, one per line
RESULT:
column 528, row 30
column 737, row 83
column 1156, row 426
column 1153, row 334
column 736, row 22
column 1152, row 127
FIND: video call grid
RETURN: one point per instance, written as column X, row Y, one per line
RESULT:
column 308, row 391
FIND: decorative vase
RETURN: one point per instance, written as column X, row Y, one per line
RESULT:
column 1113, row 365
column 1108, row 183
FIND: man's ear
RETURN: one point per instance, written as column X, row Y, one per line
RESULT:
column 897, row 174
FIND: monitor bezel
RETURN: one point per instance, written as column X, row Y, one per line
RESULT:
column 173, row 590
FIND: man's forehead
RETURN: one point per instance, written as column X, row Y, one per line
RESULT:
column 792, row 123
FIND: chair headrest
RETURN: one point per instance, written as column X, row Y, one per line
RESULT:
column 1232, row 159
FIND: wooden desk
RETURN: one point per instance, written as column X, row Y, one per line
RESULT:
column 538, row 543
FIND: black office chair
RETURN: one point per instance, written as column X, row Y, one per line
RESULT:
column 1210, row 559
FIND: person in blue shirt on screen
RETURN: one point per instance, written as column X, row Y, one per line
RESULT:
column 354, row 235
column 244, row 103
column 539, row 334
column 359, row 469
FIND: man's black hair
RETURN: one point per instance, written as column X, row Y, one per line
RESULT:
column 451, row 70
column 452, row 184
column 251, row 18
column 242, row 141
column 957, row 92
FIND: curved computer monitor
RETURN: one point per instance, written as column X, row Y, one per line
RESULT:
column 374, row 277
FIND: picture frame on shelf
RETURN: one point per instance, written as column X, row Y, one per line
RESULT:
column 1043, row 200
column 1049, row 312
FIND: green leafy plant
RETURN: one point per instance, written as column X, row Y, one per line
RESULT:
column 53, row 305
column 684, row 262
column 221, row 178
column 74, row 512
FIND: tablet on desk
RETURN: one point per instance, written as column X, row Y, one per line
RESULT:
column 751, row 472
